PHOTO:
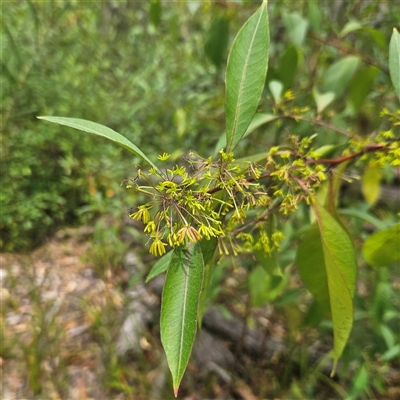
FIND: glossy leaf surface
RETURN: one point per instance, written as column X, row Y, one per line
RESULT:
column 179, row 308
column 100, row 130
column 245, row 75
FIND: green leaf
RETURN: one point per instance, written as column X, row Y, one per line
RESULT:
column 327, row 265
column 155, row 12
column 208, row 250
column 296, row 27
column 394, row 60
column 361, row 85
column 365, row 216
column 258, row 286
column 100, row 130
column 382, row 248
column 322, row 100
column 351, row 26
column 160, row 266
column 245, row 75
column 179, row 308
column 265, row 287
column 258, row 120
column 338, row 75
column 341, row 270
column 314, row 15
column 359, row 384
column 276, row 89
column 370, row 185
column 311, row 266
column 217, row 41
column 287, row 68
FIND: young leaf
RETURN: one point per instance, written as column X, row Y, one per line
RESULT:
column 351, row 26
column 179, row 308
column 383, row 247
column 160, row 266
column 394, row 60
column 276, row 89
column 100, row 130
column 371, row 183
column 245, row 75
column 322, row 100
column 326, row 263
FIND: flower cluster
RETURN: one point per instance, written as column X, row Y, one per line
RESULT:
column 186, row 207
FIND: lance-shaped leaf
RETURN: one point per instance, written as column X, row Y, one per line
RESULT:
column 327, row 265
column 100, row 130
column 245, row 75
column 179, row 308
column 394, row 60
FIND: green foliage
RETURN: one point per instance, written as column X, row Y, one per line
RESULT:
column 100, row 130
column 394, row 60
column 383, row 247
column 180, row 301
column 245, row 75
column 292, row 155
column 55, row 58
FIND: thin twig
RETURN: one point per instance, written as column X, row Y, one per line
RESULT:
column 331, row 161
column 348, row 50
column 318, row 122
column 334, row 161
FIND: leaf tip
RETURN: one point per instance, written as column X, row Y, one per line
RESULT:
column 176, row 391
column 335, row 362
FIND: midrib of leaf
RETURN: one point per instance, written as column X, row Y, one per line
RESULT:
column 336, row 265
column 241, row 83
column 184, row 311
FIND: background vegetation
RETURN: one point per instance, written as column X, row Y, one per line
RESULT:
column 154, row 72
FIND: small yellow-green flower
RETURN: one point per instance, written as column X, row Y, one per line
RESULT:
column 164, row 156
column 190, row 233
column 141, row 215
column 150, row 227
column 157, row 248
column 205, row 231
